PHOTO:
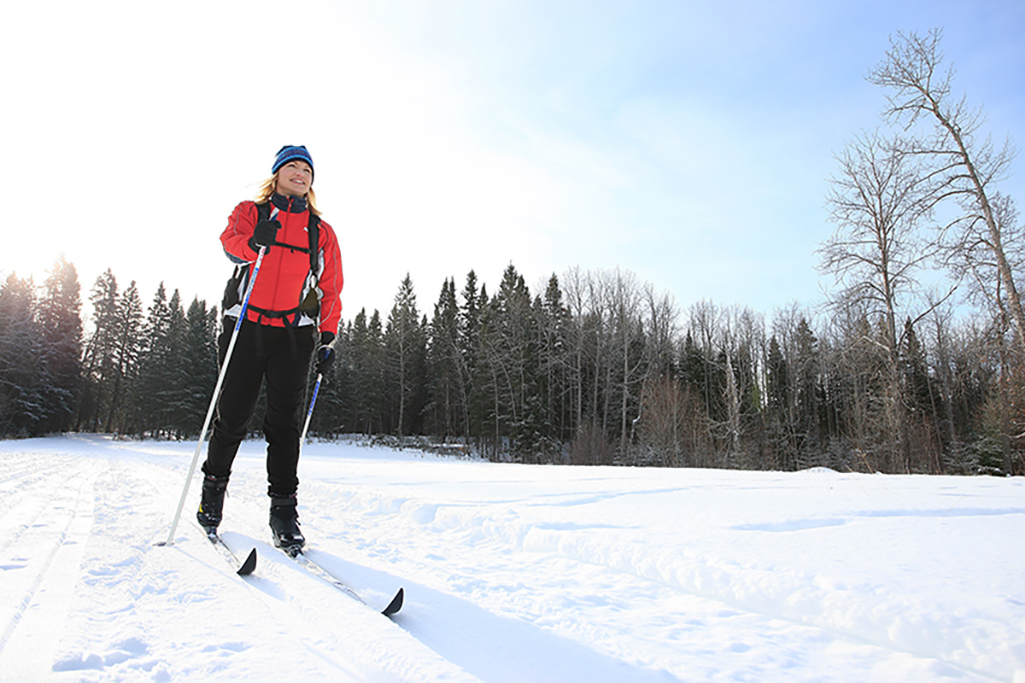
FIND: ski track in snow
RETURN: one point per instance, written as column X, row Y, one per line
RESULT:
column 512, row 572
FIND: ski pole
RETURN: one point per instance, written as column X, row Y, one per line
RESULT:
column 309, row 412
column 217, row 388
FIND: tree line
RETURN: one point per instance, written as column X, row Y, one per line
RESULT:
column 135, row 373
column 598, row 368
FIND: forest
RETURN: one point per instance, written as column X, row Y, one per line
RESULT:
column 915, row 363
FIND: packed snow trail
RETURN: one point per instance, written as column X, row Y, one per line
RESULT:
column 43, row 544
column 512, row 572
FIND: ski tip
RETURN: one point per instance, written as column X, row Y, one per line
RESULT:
column 249, row 566
column 395, row 605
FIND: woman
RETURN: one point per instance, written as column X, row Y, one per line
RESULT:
column 294, row 298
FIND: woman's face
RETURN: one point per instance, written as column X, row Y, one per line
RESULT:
column 294, row 179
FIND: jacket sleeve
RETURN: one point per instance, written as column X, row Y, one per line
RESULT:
column 235, row 238
column 331, row 280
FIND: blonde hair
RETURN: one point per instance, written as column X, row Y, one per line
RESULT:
column 269, row 186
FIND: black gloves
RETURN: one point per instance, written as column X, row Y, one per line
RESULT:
column 325, row 355
column 264, row 234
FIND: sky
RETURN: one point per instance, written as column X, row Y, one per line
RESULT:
column 690, row 144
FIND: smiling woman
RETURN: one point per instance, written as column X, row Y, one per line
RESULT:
column 295, row 179
column 287, row 286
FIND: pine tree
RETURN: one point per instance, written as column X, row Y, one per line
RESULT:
column 22, row 374
column 197, row 368
column 98, row 360
column 406, row 348
column 507, row 344
column 810, row 407
column 168, row 395
column 446, row 408
column 367, row 403
column 921, row 404
column 125, row 353
column 60, row 328
column 777, row 410
column 474, row 305
column 152, row 414
column 555, row 363
column 111, row 355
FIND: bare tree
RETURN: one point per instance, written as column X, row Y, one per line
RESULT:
column 670, row 414
column 967, row 167
column 876, row 254
column 628, row 332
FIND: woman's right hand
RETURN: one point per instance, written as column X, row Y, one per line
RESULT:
column 264, row 234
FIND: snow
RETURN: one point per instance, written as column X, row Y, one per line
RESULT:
column 511, row 572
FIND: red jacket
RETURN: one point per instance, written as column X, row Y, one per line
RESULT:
column 281, row 283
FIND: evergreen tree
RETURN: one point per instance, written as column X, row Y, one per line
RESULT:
column 921, row 404
column 98, row 366
column 555, row 364
column 111, row 355
column 366, row 401
column 150, row 400
column 197, row 367
column 810, row 405
column 22, row 374
column 475, row 303
column 506, row 344
column 125, row 353
column 447, row 405
column 778, row 417
column 175, row 344
column 60, row 327
column 406, row 348
column 375, row 377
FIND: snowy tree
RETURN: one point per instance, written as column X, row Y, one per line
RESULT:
column 447, row 408
column 111, row 354
column 406, row 344
column 22, row 374
column 99, row 352
column 158, row 358
column 60, row 329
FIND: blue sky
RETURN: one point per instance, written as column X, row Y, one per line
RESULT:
column 689, row 143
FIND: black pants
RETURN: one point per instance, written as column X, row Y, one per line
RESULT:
column 281, row 357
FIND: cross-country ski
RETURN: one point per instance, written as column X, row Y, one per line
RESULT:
column 302, row 557
column 243, row 568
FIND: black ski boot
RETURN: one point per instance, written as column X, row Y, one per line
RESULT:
column 284, row 522
column 212, row 502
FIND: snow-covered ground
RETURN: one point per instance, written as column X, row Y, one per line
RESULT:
column 512, row 572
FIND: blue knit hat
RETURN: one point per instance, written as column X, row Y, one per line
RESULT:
column 291, row 153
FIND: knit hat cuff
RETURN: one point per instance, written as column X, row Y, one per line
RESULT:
column 291, row 153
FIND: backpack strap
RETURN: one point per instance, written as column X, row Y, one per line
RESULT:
column 312, row 229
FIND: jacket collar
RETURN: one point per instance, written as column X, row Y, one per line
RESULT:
column 288, row 204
